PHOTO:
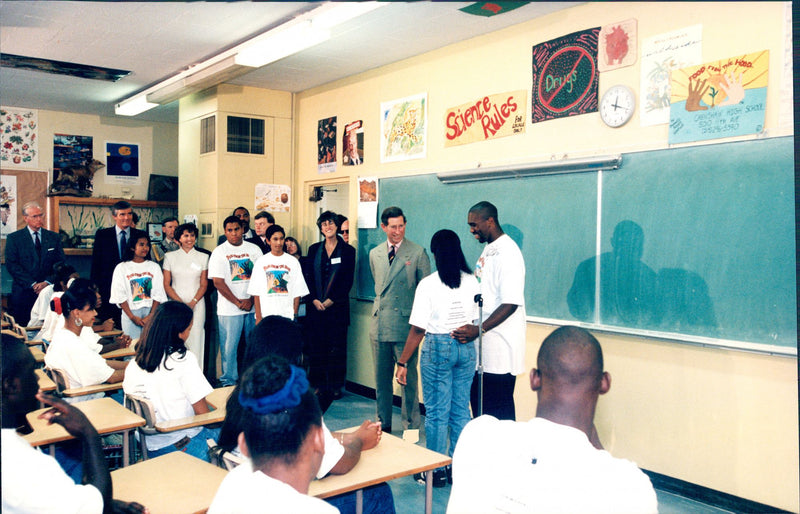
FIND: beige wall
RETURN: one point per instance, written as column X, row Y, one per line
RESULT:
column 158, row 143
column 722, row 419
column 218, row 182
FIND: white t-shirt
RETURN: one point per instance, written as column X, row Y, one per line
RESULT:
column 501, row 273
column 246, row 491
column 82, row 365
column 138, row 283
column 172, row 389
column 541, row 466
column 41, row 306
column 233, row 264
column 34, row 482
column 277, row 280
column 439, row 309
column 53, row 322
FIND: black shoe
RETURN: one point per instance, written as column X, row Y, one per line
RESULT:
column 439, row 478
column 449, row 470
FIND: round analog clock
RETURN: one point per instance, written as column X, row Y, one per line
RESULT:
column 617, row 106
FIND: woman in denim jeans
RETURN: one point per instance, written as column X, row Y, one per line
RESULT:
column 443, row 301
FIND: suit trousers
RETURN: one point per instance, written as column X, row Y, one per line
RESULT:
column 385, row 355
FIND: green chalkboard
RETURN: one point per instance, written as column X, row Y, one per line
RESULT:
column 696, row 241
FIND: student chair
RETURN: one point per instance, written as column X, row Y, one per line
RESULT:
column 73, row 395
column 144, row 408
column 222, row 458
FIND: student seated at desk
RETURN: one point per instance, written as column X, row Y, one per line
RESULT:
column 32, row 481
column 554, row 462
column 277, row 335
column 69, row 353
column 282, row 436
column 168, row 375
column 62, row 275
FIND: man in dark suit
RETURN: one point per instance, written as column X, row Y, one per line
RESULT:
column 397, row 267
column 108, row 251
column 264, row 220
column 31, row 253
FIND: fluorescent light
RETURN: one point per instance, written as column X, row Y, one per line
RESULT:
column 336, row 13
column 281, row 43
column 134, row 105
column 606, row 163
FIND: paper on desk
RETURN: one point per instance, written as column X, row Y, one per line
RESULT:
column 411, row 436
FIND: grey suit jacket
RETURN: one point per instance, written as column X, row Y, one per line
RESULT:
column 394, row 288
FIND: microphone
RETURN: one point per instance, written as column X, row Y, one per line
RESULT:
column 478, row 299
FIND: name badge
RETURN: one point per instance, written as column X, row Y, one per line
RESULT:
column 195, row 266
column 336, row 260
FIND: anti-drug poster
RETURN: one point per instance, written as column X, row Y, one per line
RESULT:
column 722, row 98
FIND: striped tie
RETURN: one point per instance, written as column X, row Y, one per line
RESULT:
column 391, row 255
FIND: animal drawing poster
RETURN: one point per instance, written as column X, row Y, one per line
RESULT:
column 8, row 204
column 326, row 145
column 122, row 163
column 616, row 46
column 722, row 98
column 404, row 128
column 565, row 76
column 19, row 137
column 660, row 55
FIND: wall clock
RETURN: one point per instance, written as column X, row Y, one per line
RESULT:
column 617, row 106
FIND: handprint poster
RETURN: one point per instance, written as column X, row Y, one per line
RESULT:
column 722, row 98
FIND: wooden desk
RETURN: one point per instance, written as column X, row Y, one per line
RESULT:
column 120, row 353
column 110, row 333
column 217, row 399
column 38, row 355
column 173, row 483
column 45, row 384
column 392, row 458
column 107, row 416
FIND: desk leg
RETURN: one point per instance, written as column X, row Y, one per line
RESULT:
column 360, row 501
column 429, row 492
column 53, row 450
column 126, row 453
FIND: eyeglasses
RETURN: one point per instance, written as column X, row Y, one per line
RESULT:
column 344, row 231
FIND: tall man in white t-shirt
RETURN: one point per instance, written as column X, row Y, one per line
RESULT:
column 501, row 273
column 230, row 267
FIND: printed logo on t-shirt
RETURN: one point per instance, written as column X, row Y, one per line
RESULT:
column 141, row 286
column 241, row 267
column 277, row 281
column 479, row 268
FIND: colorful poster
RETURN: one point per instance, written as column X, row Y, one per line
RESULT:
column 8, row 204
column 19, row 133
column 326, row 145
column 660, row 55
column 122, row 166
column 617, row 45
column 367, row 202
column 565, row 76
column 490, row 117
column 353, row 144
column 273, row 197
column 404, row 128
column 723, row 98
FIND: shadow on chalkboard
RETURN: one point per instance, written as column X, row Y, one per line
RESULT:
column 634, row 295
column 515, row 234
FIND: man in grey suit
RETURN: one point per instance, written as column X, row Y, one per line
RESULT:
column 31, row 253
column 397, row 267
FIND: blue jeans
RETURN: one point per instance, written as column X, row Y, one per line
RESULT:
column 230, row 331
column 447, row 368
column 197, row 446
column 377, row 499
column 129, row 327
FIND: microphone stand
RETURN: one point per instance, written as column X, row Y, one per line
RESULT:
column 479, row 301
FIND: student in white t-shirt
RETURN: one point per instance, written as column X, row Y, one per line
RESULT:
column 282, row 436
column 137, row 286
column 62, row 274
column 444, row 301
column 168, row 375
column 277, row 283
column 230, row 267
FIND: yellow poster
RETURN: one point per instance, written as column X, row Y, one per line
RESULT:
column 490, row 117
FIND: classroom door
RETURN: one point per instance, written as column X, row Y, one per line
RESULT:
column 335, row 197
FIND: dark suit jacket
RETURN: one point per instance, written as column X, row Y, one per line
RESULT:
column 337, row 288
column 105, row 257
column 394, row 288
column 259, row 243
column 26, row 268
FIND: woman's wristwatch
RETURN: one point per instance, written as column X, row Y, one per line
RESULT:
column 403, row 364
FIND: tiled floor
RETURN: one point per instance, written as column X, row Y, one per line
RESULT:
column 409, row 496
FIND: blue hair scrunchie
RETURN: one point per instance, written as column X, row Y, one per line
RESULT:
column 287, row 397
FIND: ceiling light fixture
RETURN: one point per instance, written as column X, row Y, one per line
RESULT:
column 305, row 31
column 606, row 163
